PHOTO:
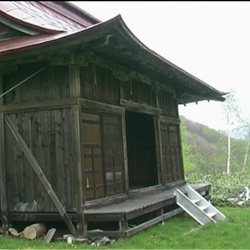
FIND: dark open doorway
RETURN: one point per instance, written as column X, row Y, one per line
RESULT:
column 142, row 167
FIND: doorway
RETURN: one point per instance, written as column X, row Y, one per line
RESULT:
column 141, row 150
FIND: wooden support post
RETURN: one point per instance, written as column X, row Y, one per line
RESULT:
column 123, row 227
column 180, row 146
column 81, row 225
column 3, row 182
column 75, row 91
column 158, row 142
column 48, row 188
column 125, row 153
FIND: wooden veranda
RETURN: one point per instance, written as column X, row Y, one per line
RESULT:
column 126, row 217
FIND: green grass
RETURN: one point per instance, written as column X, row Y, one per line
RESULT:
column 180, row 232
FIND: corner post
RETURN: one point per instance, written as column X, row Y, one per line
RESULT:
column 3, row 181
column 75, row 91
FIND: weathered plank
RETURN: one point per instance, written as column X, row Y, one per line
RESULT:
column 158, row 150
column 105, row 201
column 153, row 221
column 40, row 175
column 80, row 199
column 3, row 183
column 88, row 104
column 123, row 71
column 43, row 105
column 114, row 234
column 48, row 237
column 139, row 107
column 124, row 138
column 158, row 143
column 150, row 208
column 27, row 216
column 98, row 84
column 50, row 84
column 75, row 91
column 169, row 120
column 74, row 81
column 104, row 216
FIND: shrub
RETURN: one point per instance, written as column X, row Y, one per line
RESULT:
column 225, row 189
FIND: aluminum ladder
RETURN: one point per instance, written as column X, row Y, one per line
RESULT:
column 197, row 206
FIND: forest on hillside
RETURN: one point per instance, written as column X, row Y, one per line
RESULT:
column 205, row 150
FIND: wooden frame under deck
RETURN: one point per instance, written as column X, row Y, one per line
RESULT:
column 150, row 209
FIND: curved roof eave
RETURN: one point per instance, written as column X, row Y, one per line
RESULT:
column 109, row 25
column 163, row 60
column 9, row 48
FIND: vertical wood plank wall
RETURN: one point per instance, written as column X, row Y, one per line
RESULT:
column 50, row 137
column 56, row 135
column 99, row 85
column 3, row 184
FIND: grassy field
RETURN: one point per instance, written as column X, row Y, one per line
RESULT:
column 180, row 232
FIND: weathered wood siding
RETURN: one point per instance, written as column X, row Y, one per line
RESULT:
column 171, row 153
column 168, row 104
column 98, row 84
column 139, row 92
column 50, row 84
column 50, row 137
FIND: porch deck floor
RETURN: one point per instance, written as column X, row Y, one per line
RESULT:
column 140, row 213
column 139, row 203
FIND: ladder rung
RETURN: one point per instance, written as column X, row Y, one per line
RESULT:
column 195, row 200
column 211, row 214
column 203, row 207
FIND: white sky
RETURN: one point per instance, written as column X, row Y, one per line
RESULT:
column 210, row 40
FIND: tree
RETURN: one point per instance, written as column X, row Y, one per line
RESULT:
column 233, row 113
column 186, row 150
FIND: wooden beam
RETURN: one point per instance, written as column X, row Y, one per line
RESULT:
column 130, row 105
column 123, row 73
column 47, row 186
column 153, row 221
column 101, row 106
column 99, row 217
column 150, row 208
column 166, row 119
column 98, row 234
column 3, row 182
column 38, row 106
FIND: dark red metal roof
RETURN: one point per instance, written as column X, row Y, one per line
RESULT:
column 115, row 26
column 38, row 16
column 38, row 41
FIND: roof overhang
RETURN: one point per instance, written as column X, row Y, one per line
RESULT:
column 115, row 41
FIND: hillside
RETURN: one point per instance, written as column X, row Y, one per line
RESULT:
column 240, row 132
column 205, row 149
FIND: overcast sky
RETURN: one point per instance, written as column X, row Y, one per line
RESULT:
column 210, row 40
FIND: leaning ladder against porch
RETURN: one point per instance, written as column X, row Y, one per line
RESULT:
column 197, row 206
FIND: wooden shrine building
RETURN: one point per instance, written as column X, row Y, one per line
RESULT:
column 89, row 124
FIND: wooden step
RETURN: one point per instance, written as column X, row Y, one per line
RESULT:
column 195, row 201
column 198, row 207
column 211, row 214
column 204, row 207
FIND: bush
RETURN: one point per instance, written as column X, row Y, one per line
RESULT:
column 225, row 189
